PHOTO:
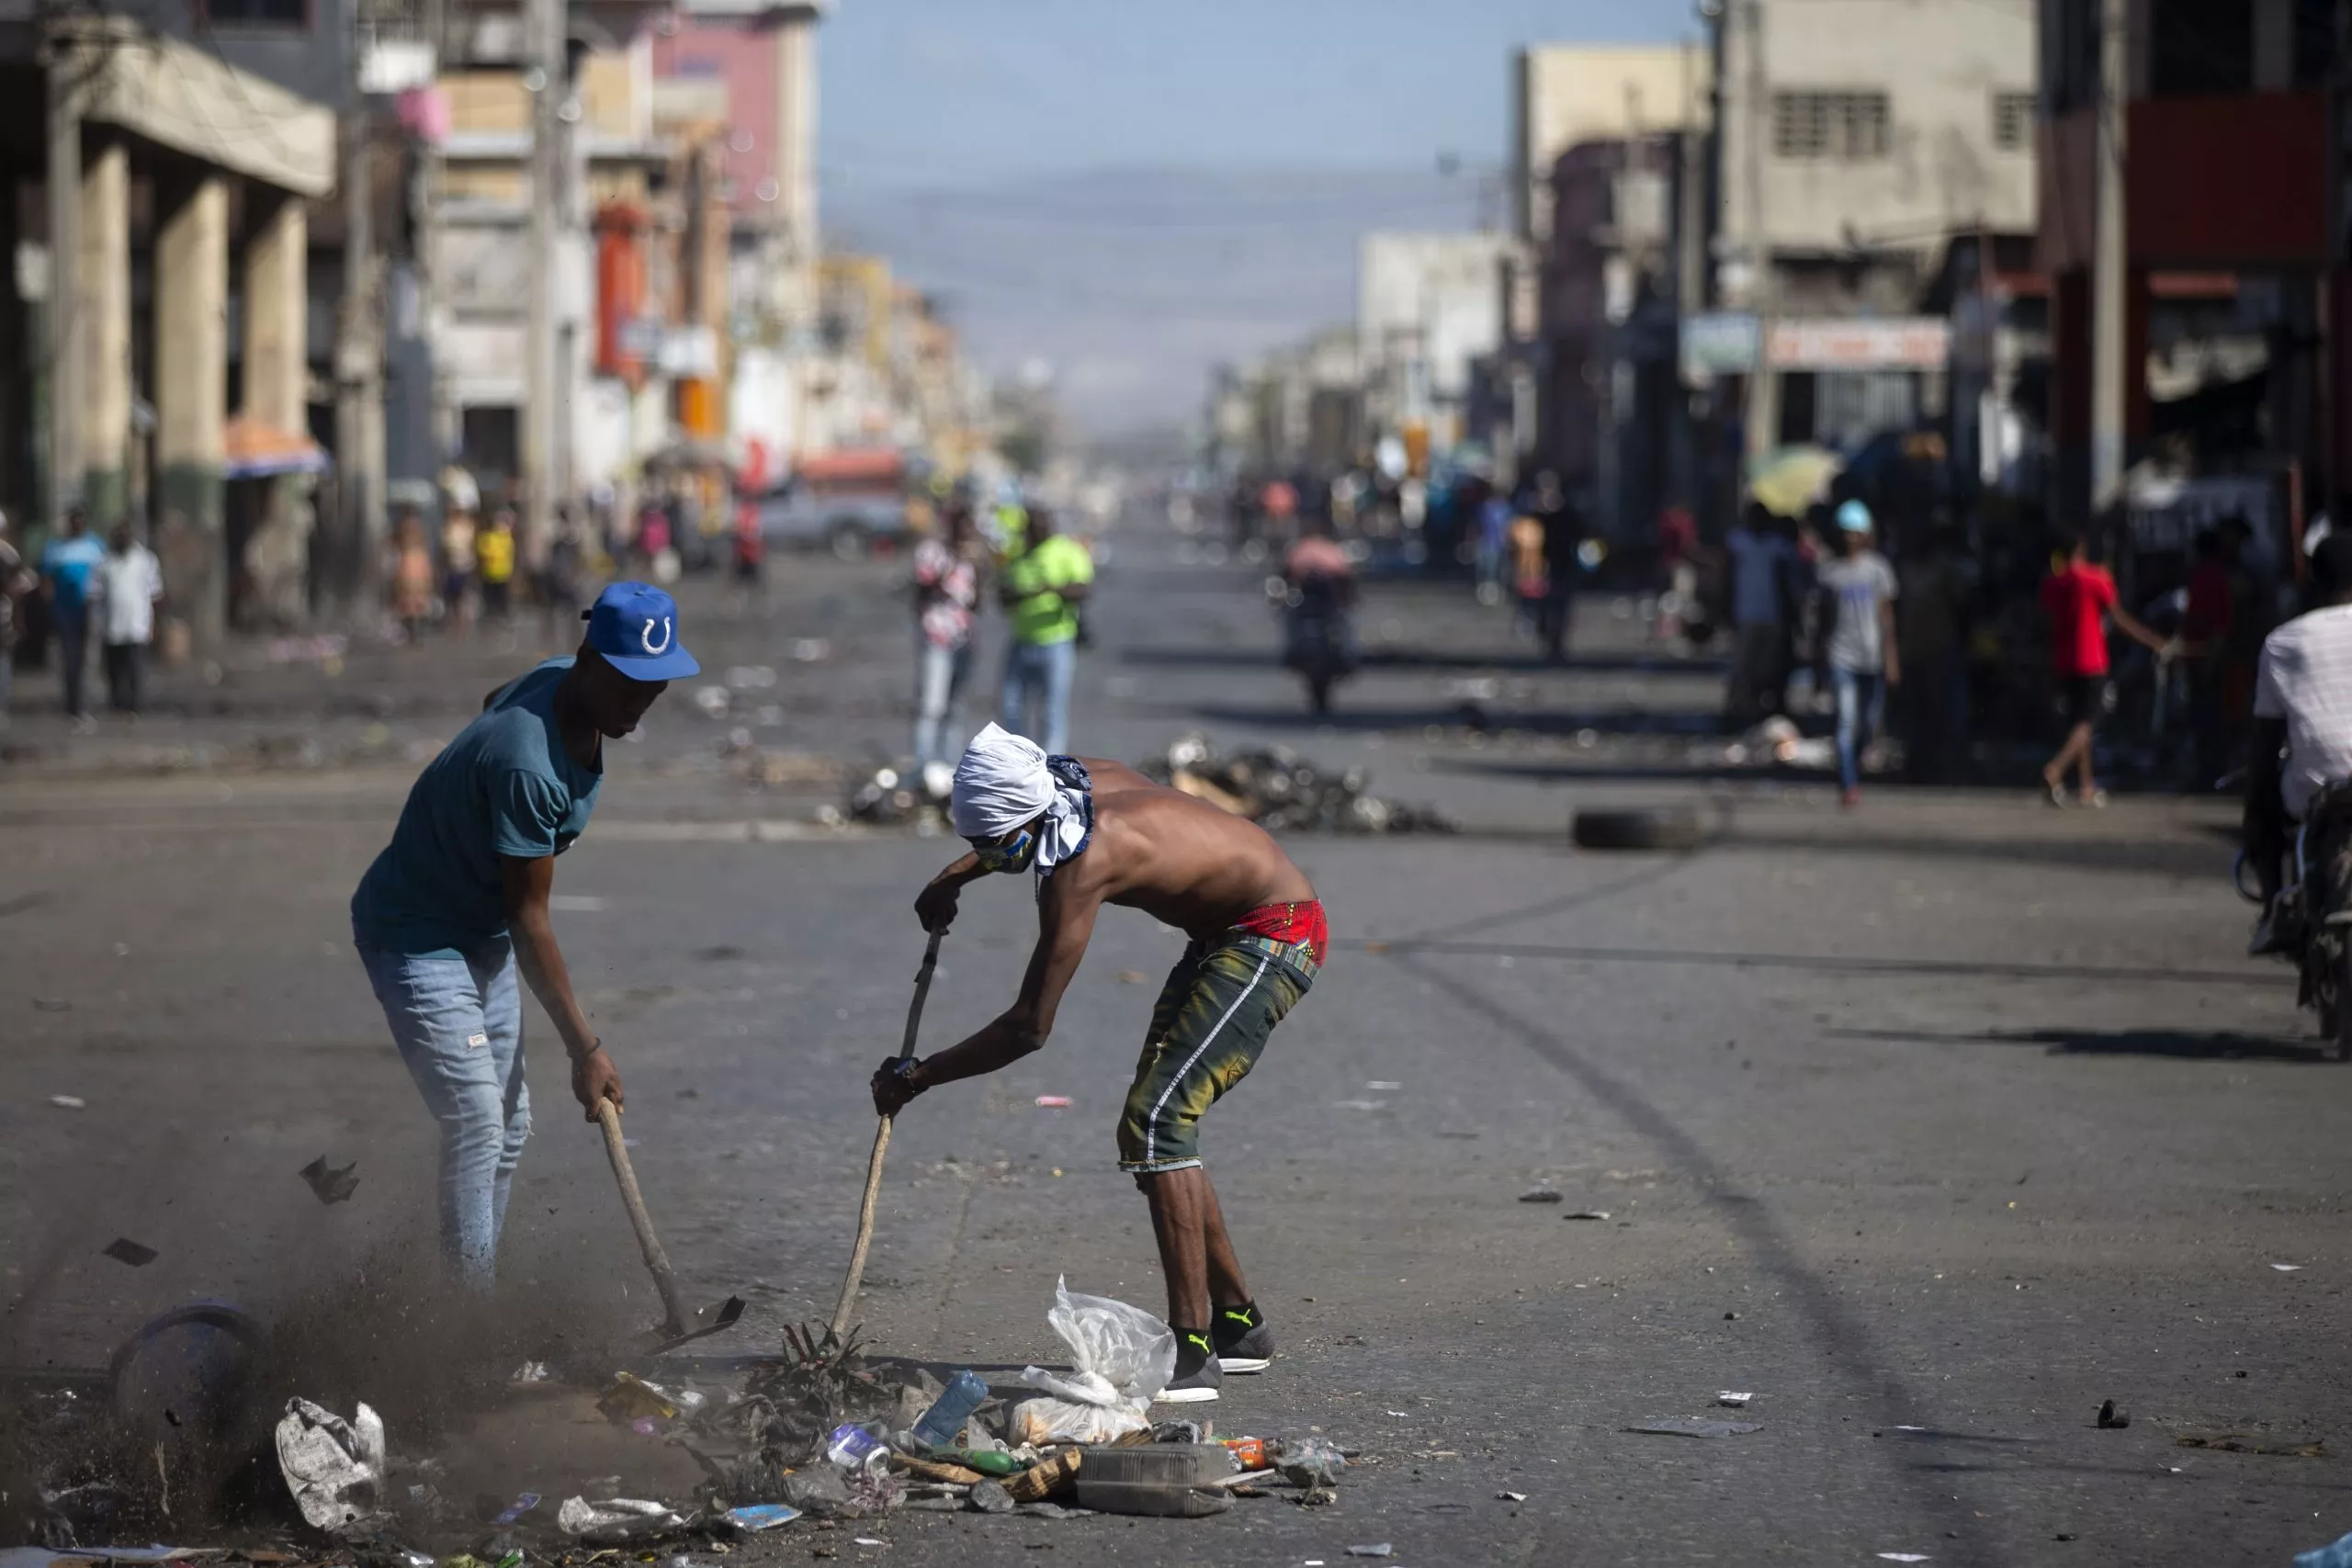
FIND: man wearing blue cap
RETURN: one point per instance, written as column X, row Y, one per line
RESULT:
column 457, row 903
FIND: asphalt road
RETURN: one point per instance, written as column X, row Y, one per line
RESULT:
column 1932, row 1125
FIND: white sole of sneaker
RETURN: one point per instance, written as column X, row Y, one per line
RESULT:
column 1244, row 1365
column 1184, row 1396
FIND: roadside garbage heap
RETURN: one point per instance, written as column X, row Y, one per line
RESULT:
column 1278, row 790
column 821, row 1432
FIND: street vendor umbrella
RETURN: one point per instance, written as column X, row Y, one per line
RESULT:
column 1793, row 479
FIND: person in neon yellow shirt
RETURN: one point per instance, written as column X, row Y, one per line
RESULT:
column 1041, row 589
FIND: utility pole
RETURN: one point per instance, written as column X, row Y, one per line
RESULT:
column 2110, row 259
column 547, row 77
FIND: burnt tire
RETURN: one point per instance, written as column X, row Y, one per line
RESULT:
column 1674, row 828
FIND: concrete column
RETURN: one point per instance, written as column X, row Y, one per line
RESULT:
column 101, row 275
column 277, row 294
column 191, row 398
column 61, row 350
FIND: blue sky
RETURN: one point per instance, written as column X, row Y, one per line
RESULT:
column 966, row 93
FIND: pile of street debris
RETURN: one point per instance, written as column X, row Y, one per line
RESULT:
column 1279, row 791
column 1272, row 786
column 823, row 1432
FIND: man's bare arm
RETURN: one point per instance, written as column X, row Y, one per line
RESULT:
column 525, row 884
column 1066, row 918
column 935, row 905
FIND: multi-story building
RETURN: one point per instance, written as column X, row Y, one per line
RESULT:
column 1428, row 306
column 177, row 171
column 2188, row 197
column 1606, row 155
column 1853, row 140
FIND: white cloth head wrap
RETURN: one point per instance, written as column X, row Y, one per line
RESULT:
column 1003, row 782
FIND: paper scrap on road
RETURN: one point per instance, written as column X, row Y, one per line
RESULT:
column 1737, row 1400
column 2288, row 1268
column 1903, row 1556
column 69, row 1102
column 1054, row 1102
column 1511, row 1496
column 1588, row 1215
column 1359, row 1105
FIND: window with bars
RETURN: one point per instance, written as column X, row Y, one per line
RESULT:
column 2013, row 116
column 1847, row 126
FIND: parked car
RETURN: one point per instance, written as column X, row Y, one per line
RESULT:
column 848, row 503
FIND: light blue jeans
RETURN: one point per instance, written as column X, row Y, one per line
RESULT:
column 939, row 681
column 1040, row 673
column 459, row 1024
column 1861, row 708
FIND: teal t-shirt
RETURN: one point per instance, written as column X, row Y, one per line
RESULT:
column 505, row 786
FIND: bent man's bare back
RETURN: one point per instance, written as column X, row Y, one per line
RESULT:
column 1181, row 861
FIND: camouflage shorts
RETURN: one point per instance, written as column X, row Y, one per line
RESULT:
column 1211, row 1023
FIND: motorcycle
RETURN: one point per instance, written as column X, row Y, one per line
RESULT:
column 2312, row 915
column 1318, row 635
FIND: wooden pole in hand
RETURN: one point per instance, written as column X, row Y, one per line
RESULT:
column 657, row 1262
column 850, row 1282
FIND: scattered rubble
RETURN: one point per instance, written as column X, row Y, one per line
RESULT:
column 1278, row 790
column 810, row 1438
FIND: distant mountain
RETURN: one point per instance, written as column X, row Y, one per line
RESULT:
column 1132, row 283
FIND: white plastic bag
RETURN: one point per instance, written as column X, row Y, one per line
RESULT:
column 1123, row 1357
column 333, row 1467
column 612, row 1519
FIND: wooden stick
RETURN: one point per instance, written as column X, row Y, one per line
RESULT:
column 857, row 1274
column 657, row 1262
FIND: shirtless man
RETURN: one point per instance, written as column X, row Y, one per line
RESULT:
column 1097, row 832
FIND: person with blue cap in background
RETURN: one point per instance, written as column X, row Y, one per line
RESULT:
column 1859, row 589
column 457, row 904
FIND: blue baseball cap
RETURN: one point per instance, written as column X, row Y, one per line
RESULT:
column 635, row 626
column 1854, row 517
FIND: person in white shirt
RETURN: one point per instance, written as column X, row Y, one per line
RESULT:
column 127, row 585
column 2302, row 728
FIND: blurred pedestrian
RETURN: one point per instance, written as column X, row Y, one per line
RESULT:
column 1762, row 562
column 947, row 604
column 1041, row 589
column 126, row 588
column 458, row 560
column 495, row 561
column 1494, row 530
column 453, row 913
column 67, row 563
column 1859, row 590
column 16, row 582
column 1678, row 556
column 1530, row 578
column 412, row 575
column 1938, row 589
column 1563, row 564
column 2205, row 629
column 2079, row 598
column 567, row 555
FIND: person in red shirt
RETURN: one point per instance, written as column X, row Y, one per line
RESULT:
column 2079, row 598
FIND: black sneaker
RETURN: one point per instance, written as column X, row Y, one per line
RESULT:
column 1197, row 1374
column 1244, row 1343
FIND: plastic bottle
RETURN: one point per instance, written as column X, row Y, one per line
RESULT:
column 939, row 1425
